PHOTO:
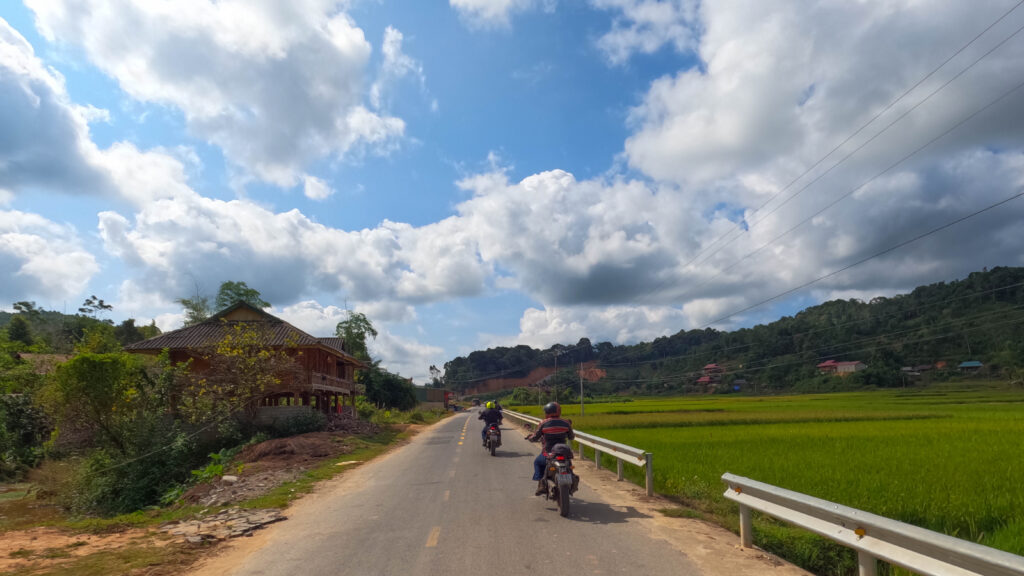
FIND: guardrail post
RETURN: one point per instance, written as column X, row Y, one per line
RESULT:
column 620, row 470
column 866, row 564
column 650, row 474
column 597, row 458
column 580, row 445
column 746, row 528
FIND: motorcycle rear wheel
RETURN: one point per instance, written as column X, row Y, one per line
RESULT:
column 493, row 446
column 563, row 501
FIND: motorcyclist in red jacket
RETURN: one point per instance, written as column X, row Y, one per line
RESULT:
column 554, row 430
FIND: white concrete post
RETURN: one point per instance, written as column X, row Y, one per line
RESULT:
column 866, row 564
column 620, row 470
column 597, row 458
column 650, row 474
column 746, row 528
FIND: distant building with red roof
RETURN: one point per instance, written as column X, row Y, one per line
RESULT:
column 832, row 367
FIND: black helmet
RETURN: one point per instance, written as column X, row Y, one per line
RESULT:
column 552, row 408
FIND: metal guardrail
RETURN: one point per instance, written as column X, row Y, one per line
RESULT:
column 621, row 452
column 873, row 537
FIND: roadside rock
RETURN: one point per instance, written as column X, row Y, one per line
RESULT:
column 230, row 523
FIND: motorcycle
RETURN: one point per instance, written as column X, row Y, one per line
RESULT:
column 493, row 438
column 559, row 472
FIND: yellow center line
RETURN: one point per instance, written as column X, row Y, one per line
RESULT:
column 435, row 533
column 447, row 495
column 460, row 442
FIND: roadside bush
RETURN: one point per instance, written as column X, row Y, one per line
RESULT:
column 109, row 481
column 23, row 429
column 311, row 421
column 364, row 409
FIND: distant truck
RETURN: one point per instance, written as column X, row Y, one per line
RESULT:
column 433, row 397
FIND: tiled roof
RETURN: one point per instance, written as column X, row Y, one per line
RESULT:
column 335, row 343
column 833, row 363
column 213, row 330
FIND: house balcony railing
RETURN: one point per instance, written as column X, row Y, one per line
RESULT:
column 321, row 381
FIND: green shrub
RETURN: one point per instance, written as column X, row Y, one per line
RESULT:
column 110, row 482
column 23, row 429
column 364, row 409
column 213, row 470
column 311, row 421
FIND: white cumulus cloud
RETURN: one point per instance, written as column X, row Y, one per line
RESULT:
column 41, row 257
column 277, row 85
column 491, row 13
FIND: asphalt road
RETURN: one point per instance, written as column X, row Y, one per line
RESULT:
column 443, row 506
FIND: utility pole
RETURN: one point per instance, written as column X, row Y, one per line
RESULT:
column 581, row 388
column 554, row 377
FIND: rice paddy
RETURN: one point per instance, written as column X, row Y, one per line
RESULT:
column 950, row 459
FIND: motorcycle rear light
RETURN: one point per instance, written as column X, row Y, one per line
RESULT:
column 559, row 457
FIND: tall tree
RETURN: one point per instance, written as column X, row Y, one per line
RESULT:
column 127, row 332
column 231, row 292
column 354, row 331
column 94, row 306
column 197, row 309
column 436, row 377
column 27, row 308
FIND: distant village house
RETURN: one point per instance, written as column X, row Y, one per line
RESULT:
column 327, row 370
column 970, row 366
column 833, row 368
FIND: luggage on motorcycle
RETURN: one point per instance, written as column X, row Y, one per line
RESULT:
column 561, row 450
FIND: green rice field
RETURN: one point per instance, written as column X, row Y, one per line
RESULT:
column 948, row 458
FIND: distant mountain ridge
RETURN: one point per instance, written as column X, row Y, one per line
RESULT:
column 980, row 317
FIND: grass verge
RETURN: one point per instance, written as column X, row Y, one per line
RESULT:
column 365, row 449
column 146, row 558
column 147, row 555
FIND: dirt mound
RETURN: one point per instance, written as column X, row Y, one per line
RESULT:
column 259, row 468
column 351, row 425
column 313, row 445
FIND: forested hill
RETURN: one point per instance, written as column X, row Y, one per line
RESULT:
column 978, row 318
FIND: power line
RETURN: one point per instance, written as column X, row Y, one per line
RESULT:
column 891, row 345
column 737, row 226
column 817, row 330
column 862, row 185
column 899, row 332
column 875, row 255
column 746, row 367
column 903, row 115
column 744, row 370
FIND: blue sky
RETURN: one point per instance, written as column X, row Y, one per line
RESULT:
column 475, row 173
